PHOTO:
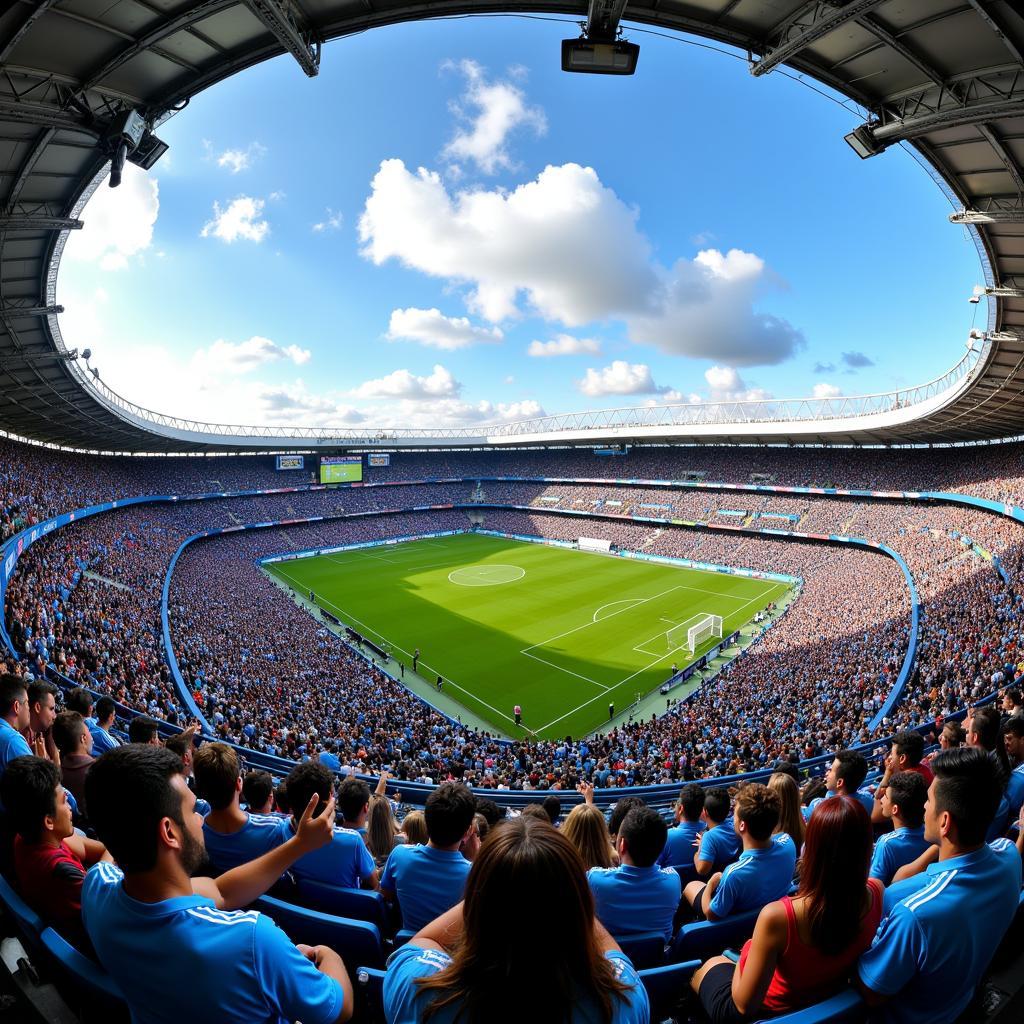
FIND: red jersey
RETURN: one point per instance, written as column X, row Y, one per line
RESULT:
column 50, row 879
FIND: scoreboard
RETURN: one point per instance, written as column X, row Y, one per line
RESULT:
column 341, row 469
column 291, row 462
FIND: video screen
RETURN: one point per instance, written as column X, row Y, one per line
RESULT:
column 341, row 469
column 291, row 462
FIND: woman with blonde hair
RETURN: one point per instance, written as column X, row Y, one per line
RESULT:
column 587, row 830
column 791, row 821
column 414, row 825
column 382, row 834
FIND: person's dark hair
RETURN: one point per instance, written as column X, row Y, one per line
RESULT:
column 306, row 779
column 759, row 809
column 129, row 793
column 968, row 787
column 28, row 789
column 553, row 807
column 834, row 867
column 853, row 769
column 449, row 812
column 788, row 768
column 142, row 729
column 1016, row 697
column 536, row 811
column 490, row 810
column 955, row 733
column 12, row 688
column 38, row 689
column 1014, row 726
column 909, row 744
column 104, row 708
column 257, row 788
column 988, row 728
column 281, row 802
column 691, row 801
column 620, row 810
column 216, row 769
column 644, row 831
column 353, row 796
column 68, row 727
column 180, row 743
column 908, row 791
column 716, row 804
column 79, row 699
column 530, row 878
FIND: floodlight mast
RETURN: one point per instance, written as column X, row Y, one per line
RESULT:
column 599, row 51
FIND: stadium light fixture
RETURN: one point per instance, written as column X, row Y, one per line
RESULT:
column 863, row 142
column 599, row 50
column 128, row 138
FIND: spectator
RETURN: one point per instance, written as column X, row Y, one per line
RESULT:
column 281, row 804
column 490, row 810
column 232, row 836
column 258, row 792
column 844, row 777
column 983, row 727
column 527, row 927
column 80, row 699
column 638, row 896
column 928, row 944
column 354, row 804
column 1013, row 703
column 803, row 947
column 791, row 821
column 905, row 756
column 765, row 868
column 682, row 837
column 15, row 715
column 42, row 705
column 74, row 741
column 619, row 811
column 425, row 881
column 103, row 738
column 178, row 947
column 345, row 861
column 414, row 827
column 382, row 833
column 902, row 803
column 1013, row 741
column 553, row 808
column 144, row 730
column 719, row 845
column 49, row 856
column 587, row 830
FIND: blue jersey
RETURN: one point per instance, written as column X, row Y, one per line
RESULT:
column 426, row 882
column 632, row 901
column 720, row 844
column 102, row 741
column 183, row 960
column 934, row 944
column 404, row 1000
column 866, row 798
column 260, row 834
column 344, row 861
column 679, row 848
column 12, row 745
column 894, row 849
column 1015, row 792
column 759, row 877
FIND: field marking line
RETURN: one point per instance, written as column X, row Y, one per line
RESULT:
column 561, row 668
column 639, row 647
column 612, row 604
column 394, row 647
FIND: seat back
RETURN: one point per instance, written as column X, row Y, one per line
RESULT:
column 703, row 939
column 84, row 984
column 646, row 950
column 357, row 942
column 665, row 986
column 845, row 1008
column 29, row 924
column 355, row 904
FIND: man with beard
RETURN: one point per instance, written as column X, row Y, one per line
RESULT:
column 177, row 946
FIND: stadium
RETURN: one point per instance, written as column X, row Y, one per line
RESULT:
column 745, row 629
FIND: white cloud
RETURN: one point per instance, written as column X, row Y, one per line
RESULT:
column 118, row 222
column 564, row 345
column 432, row 328
column 241, row 218
column 242, row 357
column 825, row 390
column 236, row 160
column 620, row 378
column 292, row 404
column 332, row 222
column 451, row 412
column 404, row 384
column 726, row 385
column 490, row 112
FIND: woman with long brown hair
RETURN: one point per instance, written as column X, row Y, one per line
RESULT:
column 587, row 830
column 791, row 821
column 382, row 834
column 524, row 943
column 804, row 947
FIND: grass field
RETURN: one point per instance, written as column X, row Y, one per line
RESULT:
column 560, row 632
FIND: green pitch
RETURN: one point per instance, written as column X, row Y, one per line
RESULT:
column 561, row 633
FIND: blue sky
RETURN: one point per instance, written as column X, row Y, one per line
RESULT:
column 444, row 228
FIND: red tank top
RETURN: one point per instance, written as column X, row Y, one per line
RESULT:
column 803, row 974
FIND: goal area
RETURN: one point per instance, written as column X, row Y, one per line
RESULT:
column 707, row 626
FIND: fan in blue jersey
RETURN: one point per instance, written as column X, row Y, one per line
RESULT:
column 679, row 845
column 178, row 947
column 902, row 803
column 719, row 845
column 844, row 777
column 14, row 717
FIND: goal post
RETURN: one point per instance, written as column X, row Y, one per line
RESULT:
column 706, row 626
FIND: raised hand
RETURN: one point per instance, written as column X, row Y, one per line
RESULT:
column 312, row 832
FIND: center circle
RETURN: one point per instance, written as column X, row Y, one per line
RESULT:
column 485, row 575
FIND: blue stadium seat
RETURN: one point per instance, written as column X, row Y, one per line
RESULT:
column 646, row 950
column 83, row 983
column 356, row 904
column 369, row 992
column 703, row 939
column 403, row 937
column 845, row 1008
column 29, row 924
column 686, row 872
column 357, row 942
column 666, row 985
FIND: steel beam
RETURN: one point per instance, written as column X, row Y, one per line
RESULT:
column 291, row 29
column 27, row 222
column 812, row 22
column 603, row 17
column 997, row 25
column 880, row 32
column 1011, row 165
column 12, row 311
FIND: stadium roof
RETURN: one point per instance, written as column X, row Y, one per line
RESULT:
column 943, row 76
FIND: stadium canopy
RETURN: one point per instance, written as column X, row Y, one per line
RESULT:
column 76, row 76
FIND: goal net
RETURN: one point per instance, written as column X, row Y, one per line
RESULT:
column 706, row 627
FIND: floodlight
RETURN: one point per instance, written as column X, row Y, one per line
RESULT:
column 974, row 300
column 863, row 142
column 599, row 58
